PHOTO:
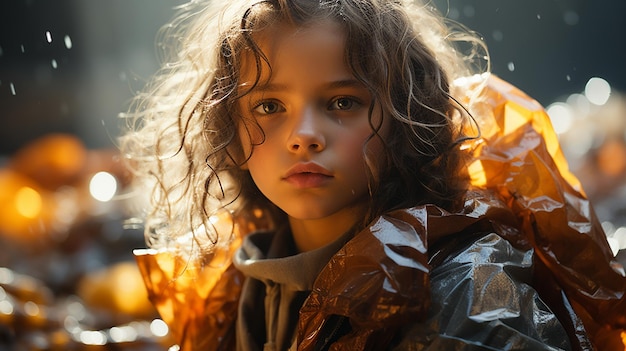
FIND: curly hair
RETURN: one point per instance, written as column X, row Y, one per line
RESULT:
column 183, row 141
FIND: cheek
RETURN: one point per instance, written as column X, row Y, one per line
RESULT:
column 250, row 134
column 355, row 149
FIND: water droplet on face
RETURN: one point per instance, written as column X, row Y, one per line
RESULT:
column 538, row 16
column 568, row 77
column 68, row 41
column 22, row 48
column 12, row 87
column 511, row 66
column 48, row 36
column 54, row 64
column 353, row 192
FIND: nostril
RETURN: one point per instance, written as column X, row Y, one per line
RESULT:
column 306, row 145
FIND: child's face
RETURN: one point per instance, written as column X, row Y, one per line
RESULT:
column 314, row 116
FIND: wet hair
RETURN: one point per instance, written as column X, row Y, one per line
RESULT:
column 184, row 144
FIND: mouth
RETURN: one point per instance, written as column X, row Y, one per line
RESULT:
column 308, row 175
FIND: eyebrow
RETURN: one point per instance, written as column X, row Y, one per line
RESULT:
column 345, row 83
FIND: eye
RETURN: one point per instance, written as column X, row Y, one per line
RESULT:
column 342, row 103
column 268, row 108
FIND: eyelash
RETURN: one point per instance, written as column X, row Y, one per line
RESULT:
column 262, row 104
column 353, row 101
column 260, row 107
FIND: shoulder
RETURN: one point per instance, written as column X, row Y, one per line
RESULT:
column 488, row 279
column 482, row 299
column 479, row 252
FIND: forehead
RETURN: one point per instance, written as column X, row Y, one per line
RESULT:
column 285, row 49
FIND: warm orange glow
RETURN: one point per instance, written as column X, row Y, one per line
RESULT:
column 477, row 174
column 612, row 158
column 129, row 294
column 185, row 287
column 257, row 212
column 28, row 202
column 117, row 288
column 517, row 116
column 624, row 339
column 506, row 111
column 51, row 161
column 25, row 209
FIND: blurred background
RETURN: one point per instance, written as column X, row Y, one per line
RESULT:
column 69, row 67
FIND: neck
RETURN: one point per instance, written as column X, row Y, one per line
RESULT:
column 311, row 234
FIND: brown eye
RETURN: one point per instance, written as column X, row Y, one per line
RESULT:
column 343, row 103
column 268, row 108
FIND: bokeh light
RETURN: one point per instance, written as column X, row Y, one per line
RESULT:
column 561, row 116
column 103, row 186
column 28, row 202
column 159, row 328
column 598, row 91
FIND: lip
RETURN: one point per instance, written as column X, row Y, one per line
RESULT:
column 307, row 175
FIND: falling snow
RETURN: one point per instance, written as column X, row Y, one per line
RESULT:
column 68, row 42
column 511, row 66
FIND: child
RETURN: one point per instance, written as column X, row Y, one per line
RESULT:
column 310, row 190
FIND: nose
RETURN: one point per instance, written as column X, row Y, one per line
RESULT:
column 307, row 132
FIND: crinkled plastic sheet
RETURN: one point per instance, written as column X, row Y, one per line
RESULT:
column 519, row 157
